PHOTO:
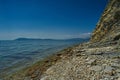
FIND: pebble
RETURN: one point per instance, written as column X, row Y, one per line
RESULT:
column 118, row 70
column 108, row 69
column 119, row 78
column 91, row 61
column 115, row 65
column 96, row 68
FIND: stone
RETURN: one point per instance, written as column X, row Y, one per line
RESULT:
column 80, row 51
column 106, row 78
column 118, row 74
column 115, row 65
column 108, row 69
column 119, row 78
column 44, row 78
column 96, row 68
column 83, row 54
column 92, row 78
column 91, row 61
column 118, row 70
column 33, row 75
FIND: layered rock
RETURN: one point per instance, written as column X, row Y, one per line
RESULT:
column 108, row 27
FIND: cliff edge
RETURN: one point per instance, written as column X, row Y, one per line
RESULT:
column 108, row 27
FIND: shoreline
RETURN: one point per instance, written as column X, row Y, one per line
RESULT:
column 41, row 65
column 70, row 60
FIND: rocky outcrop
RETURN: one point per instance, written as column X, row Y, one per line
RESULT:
column 108, row 27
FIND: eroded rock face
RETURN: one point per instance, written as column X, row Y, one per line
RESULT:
column 108, row 27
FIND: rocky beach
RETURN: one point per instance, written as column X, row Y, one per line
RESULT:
column 98, row 59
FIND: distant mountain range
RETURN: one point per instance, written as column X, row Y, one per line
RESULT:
column 72, row 39
column 32, row 39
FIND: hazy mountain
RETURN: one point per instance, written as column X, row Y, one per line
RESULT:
column 72, row 39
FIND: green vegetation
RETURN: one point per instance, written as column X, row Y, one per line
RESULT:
column 118, row 0
column 117, row 15
column 117, row 37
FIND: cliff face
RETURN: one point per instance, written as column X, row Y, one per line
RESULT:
column 108, row 27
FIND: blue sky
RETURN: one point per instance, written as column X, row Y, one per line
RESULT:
column 56, row 19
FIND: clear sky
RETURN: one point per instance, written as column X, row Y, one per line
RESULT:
column 56, row 19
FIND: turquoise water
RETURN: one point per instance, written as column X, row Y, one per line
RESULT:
column 17, row 54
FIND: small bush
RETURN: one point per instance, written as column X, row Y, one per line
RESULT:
column 117, row 37
column 117, row 15
column 118, row 0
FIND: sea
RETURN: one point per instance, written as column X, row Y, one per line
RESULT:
column 17, row 54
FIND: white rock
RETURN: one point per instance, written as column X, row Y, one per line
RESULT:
column 108, row 69
column 119, row 78
column 44, row 78
column 92, row 78
column 106, row 79
column 91, row 61
column 96, row 68
column 115, row 65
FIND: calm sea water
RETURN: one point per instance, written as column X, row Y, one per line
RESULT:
column 17, row 54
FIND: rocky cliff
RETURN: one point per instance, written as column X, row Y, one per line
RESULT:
column 108, row 27
column 87, row 61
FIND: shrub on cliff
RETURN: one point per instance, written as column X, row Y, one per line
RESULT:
column 117, row 15
column 118, row 0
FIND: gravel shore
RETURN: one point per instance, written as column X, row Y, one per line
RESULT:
column 81, row 62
